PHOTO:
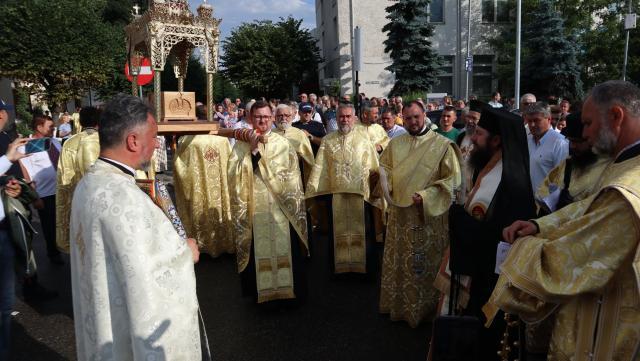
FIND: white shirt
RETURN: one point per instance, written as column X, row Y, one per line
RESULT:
column 5, row 164
column 552, row 149
column 42, row 171
column 495, row 104
column 396, row 131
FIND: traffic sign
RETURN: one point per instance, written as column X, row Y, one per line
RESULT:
column 146, row 72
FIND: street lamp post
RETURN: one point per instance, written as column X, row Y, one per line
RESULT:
column 469, row 62
column 135, row 63
column 629, row 23
column 516, row 90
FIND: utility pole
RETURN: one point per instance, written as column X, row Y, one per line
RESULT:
column 629, row 23
column 357, row 65
column 353, row 72
column 516, row 89
column 469, row 62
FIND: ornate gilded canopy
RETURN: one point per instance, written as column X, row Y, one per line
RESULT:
column 168, row 30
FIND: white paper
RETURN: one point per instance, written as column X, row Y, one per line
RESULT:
column 501, row 255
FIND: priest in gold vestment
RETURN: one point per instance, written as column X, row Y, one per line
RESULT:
column 420, row 172
column 576, row 177
column 78, row 153
column 268, row 213
column 202, row 194
column 377, row 135
column 583, row 261
column 341, row 177
column 297, row 138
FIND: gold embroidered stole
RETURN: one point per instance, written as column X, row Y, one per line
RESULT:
column 278, row 170
column 272, row 246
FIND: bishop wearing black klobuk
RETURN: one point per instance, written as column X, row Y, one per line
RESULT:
column 500, row 195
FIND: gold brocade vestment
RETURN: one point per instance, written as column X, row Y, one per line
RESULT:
column 78, row 153
column 202, row 194
column 585, row 265
column 416, row 238
column 264, row 202
column 583, row 181
column 376, row 133
column 301, row 144
column 343, row 165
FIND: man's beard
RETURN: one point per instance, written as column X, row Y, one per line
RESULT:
column 283, row 125
column 344, row 129
column 470, row 129
column 606, row 141
column 479, row 157
column 414, row 133
column 583, row 159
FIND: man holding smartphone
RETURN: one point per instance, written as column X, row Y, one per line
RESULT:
column 7, row 252
column 41, row 169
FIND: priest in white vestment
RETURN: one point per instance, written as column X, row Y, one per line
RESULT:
column 133, row 281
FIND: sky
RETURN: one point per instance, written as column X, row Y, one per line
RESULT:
column 235, row 12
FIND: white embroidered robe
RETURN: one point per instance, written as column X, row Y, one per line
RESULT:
column 133, row 281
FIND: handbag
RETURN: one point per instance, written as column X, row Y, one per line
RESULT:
column 455, row 337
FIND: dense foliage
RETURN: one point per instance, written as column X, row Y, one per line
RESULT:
column 269, row 59
column 415, row 63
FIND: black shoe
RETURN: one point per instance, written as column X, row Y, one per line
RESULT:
column 56, row 260
column 34, row 292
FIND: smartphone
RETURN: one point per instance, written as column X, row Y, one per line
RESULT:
column 37, row 145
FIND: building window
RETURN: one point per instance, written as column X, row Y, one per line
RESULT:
column 445, row 79
column 482, row 75
column 436, row 11
column 495, row 11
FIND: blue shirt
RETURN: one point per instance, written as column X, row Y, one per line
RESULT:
column 552, row 149
column 396, row 131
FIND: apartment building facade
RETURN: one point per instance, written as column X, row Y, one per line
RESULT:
column 335, row 20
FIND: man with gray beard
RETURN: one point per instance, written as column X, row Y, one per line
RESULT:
column 297, row 138
column 583, row 260
column 341, row 177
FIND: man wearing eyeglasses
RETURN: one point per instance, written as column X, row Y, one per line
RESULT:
column 299, row 139
column 269, row 213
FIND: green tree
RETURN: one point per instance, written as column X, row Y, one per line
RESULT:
column 118, row 14
column 596, row 28
column 553, row 72
column 604, row 55
column 59, row 48
column 409, row 32
column 267, row 59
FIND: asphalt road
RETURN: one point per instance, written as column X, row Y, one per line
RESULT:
column 339, row 321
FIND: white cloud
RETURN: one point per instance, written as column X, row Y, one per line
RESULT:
column 235, row 12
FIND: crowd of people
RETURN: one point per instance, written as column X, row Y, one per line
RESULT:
column 522, row 218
